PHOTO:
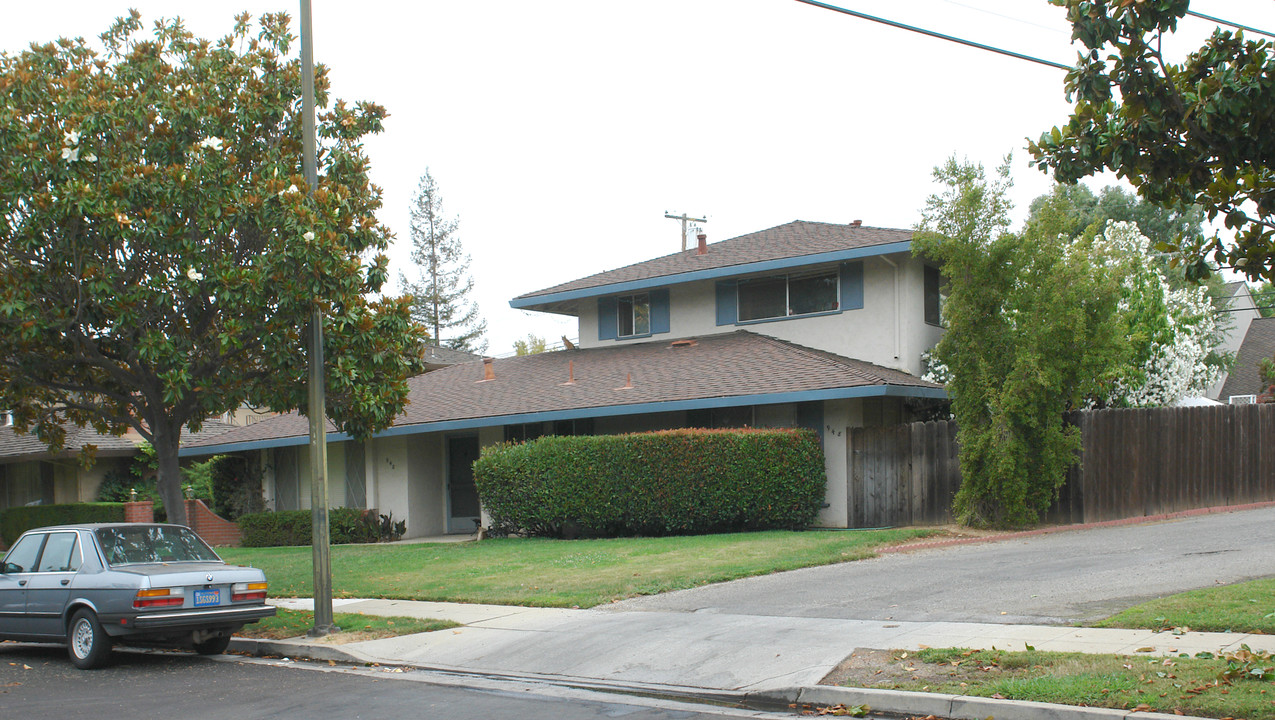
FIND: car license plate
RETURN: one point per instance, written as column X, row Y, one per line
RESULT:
column 207, row 597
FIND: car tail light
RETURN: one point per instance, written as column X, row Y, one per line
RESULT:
column 248, row 591
column 158, row 597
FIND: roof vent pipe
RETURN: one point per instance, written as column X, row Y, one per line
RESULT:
column 703, row 244
column 856, row 223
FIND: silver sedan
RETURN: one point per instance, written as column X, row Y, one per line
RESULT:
column 93, row 585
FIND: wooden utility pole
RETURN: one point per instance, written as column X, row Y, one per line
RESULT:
column 685, row 219
column 317, row 401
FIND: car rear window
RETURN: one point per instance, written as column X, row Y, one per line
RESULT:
column 153, row 544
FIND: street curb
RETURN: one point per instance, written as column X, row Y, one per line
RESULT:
column 293, row 649
column 956, row 707
column 920, row 704
column 998, row 537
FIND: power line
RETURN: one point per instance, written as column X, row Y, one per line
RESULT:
column 1220, row 21
column 990, row 48
column 939, row 35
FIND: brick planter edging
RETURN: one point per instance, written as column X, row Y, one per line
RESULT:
column 214, row 529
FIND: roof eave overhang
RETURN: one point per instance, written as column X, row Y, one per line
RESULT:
column 66, row 455
column 548, row 303
column 462, row 424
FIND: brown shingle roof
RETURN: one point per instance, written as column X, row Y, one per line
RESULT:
column 740, row 365
column 437, row 355
column 17, row 447
column 792, row 240
column 1259, row 342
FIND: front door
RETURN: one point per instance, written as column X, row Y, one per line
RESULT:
column 462, row 495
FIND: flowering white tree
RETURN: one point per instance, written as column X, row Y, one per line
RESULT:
column 1171, row 331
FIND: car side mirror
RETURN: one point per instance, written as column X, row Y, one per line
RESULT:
column 10, row 568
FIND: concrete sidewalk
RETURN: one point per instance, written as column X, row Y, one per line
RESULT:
column 776, row 657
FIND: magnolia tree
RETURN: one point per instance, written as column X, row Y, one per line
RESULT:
column 161, row 256
column 1171, row 331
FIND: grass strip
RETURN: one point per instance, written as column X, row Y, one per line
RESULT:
column 559, row 573
column 1204, row 685
column 294, row 623
column 1246, row 607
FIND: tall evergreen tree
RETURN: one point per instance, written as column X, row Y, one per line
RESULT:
column 441, row 292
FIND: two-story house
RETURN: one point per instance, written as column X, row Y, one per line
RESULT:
column 803, row 325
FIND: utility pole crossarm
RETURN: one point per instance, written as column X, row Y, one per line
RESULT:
column 685, row 219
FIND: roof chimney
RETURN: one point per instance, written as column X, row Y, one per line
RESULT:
column 489, row 373
column 703, row 244
column 856, row 223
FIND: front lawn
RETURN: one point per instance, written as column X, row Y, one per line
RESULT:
column 1247, row 607
column 354, row 626
column 559, row 573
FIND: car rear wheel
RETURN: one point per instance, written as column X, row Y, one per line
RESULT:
column 213, row 646
column 86, row 642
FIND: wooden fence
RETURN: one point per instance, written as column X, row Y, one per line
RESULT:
column 1132, row 463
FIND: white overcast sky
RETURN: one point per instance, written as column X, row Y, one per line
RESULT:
column 561, row 131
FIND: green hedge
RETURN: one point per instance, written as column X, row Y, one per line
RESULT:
column 17, row 520
column 665, row 483
column 295, row 527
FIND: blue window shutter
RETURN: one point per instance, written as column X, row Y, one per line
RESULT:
column 852, row 285
column 659, row 310
column 727, row 308
column 606, row 318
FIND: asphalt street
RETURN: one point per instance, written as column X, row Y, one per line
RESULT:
column 38, row 682
column 1053, row 579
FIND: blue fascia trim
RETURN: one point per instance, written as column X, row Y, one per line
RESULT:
column 604, row 411
column 712, row 274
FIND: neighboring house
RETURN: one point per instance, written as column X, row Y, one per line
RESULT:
column 30, row 474
column 1259, row 343
column 803, row 325
column 1238, row 309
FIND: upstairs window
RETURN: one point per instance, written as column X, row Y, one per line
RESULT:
column 788, row 295
column 638, row 315
column 935, row 295
column 633, row 315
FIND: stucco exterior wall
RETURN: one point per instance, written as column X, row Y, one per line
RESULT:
column 388, row 478
column 889, row 330
column 837, row 416
column 426, row 491
column 86, row 483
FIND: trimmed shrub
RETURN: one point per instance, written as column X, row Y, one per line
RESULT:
column 676, row 482
column 17, row 520
column 295, row 527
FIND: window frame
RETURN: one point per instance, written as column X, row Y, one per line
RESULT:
column 933, row 289
column 634, row 301
column 788, row 278
column 76, row 555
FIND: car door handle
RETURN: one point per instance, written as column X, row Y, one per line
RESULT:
column 22, row 582
column 67, row 581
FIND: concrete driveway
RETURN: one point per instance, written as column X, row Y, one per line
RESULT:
column 1053, row 579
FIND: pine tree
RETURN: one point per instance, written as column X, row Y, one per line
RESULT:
column 441, row 294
